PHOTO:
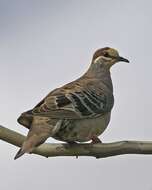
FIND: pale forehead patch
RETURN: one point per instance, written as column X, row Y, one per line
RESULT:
column 113, row 52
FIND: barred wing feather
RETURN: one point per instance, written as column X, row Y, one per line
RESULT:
column 78, row 103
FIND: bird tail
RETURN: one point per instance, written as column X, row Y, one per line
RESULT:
column 31, row 142
column 27, row 147
column 19, row 153
column 26, row 119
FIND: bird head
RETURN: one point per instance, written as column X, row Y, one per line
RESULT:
column 107, row 56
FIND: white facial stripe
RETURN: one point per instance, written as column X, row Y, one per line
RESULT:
column 100, row 58
column 107, row 58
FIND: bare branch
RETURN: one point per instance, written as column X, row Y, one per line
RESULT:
column 96, row 150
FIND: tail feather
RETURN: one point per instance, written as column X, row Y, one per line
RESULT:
column 30, row 144
column 36, row 136
column 25, row 119
column 19, row 153
column 27, row 147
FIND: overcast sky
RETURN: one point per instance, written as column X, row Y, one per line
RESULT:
column 45, row 44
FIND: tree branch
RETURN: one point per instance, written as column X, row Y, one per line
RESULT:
column 96, row 150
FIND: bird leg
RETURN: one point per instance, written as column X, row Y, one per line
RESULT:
column 73, row 144
column 95, row 140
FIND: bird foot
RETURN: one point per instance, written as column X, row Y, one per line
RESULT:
column 73, row 143
column 95, row 140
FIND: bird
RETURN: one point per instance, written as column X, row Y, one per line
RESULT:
column 77, row 112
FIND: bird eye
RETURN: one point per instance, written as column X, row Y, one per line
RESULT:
column 106, row 54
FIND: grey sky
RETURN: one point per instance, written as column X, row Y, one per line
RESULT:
column 45, row 44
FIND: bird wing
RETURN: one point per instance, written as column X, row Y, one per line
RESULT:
column 77, row 100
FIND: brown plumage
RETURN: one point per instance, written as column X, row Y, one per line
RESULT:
column 77, row 112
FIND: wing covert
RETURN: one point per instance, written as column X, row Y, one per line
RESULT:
column 77, row 103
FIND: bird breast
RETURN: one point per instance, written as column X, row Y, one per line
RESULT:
column 82, row 130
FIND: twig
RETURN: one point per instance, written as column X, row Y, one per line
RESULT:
column 100, row 150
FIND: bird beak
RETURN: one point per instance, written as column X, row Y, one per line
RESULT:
column 123, row 59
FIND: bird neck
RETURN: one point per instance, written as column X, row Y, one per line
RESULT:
column 100, row 72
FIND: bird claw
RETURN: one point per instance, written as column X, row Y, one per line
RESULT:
column 72, row 143
column 95, row 140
